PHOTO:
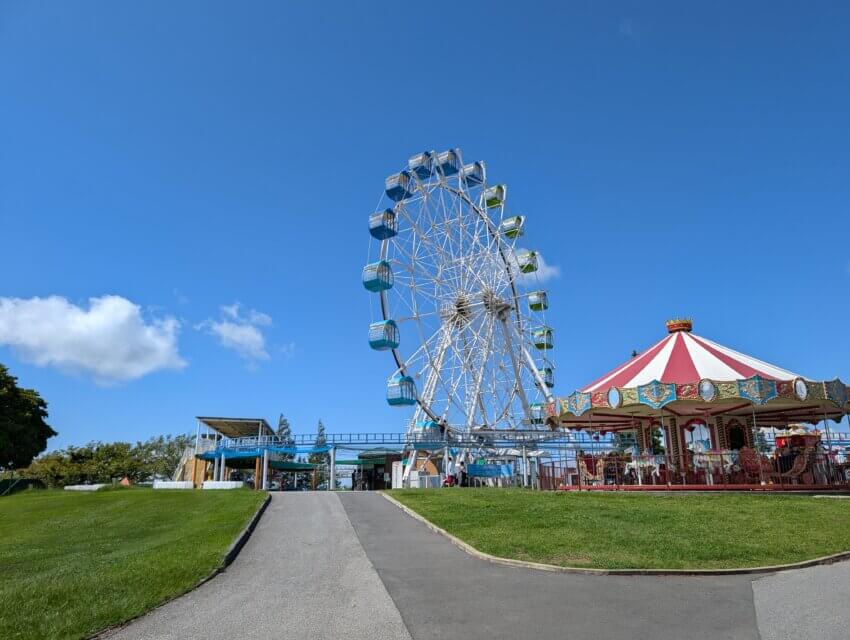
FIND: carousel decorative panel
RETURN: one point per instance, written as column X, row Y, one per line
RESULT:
column 757, row 389
column 656, row 394
column 578, row 403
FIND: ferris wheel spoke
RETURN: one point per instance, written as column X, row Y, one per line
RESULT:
column 452, row 227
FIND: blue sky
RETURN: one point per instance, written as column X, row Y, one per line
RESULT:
column 182, row 157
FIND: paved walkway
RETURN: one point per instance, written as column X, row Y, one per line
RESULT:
column 352, row 566
column 808, row 603
column 442, row 592
column 302, row 574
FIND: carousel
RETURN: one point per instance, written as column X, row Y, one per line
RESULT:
column 689, row 413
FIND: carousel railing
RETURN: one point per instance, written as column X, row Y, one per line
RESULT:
column 717, row 469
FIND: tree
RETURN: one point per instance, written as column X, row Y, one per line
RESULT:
column 284, row 432
column 98, row 462
column 320, row 458
column 160, row 455
column 23, row 430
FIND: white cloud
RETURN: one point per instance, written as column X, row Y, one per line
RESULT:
column 239, row 332
column 544, row 273
column 110, row 340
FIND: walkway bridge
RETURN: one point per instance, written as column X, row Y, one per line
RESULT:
column 496, row 439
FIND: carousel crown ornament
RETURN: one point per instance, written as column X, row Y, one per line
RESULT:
column 680, row 324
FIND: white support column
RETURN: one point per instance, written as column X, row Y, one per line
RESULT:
column 221, row 467
column 332, row 479
column 265, row 484
column 524, row 467
column 535, row 473
column 411, row 462
column 525, row 406
column 215, row 469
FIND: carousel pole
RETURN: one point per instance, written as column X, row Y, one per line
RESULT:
column 828, row 446
column 638, row 442
column 594, row 450
column 668, row 459
column 578, row 462
column 756, row 443
column 846, row 457
column 564, row 457
column 775, row 457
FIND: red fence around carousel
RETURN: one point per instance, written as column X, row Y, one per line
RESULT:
column 708, row 471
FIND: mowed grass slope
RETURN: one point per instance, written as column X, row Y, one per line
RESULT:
column 73, row 563
column 631, row 531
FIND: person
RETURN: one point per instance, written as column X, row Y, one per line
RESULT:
column 461, row 474
column 450, row 472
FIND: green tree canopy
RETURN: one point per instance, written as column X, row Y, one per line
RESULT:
column 23, row 429
column 103, row 462
column 284, row 431
column 320, row 458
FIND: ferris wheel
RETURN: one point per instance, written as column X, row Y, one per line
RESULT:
column 457, row 300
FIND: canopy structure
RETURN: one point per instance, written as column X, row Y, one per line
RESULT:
column 685, row 378
column 682, row 357
column 237, row 427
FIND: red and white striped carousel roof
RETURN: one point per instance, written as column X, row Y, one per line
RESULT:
column 683, row 357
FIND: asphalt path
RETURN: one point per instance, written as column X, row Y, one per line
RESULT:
column 443, row 592
column 806, row 603
column 302, row 574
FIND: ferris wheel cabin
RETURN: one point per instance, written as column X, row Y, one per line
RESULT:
column 421, row 165
column 543, row 338
column 383, row 224
column 473, row 174
column 527, row 261
column 378, row 276
column 383, row 335
column 538, row 413
column 495, row 196
column 513, row 227
column 538, row 301
column 398, row 186
column 401, row 391
column 448, row 162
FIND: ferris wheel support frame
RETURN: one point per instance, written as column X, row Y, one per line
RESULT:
column 517, row 375
column 547, row 392
column 476, row 396
column 428, row 391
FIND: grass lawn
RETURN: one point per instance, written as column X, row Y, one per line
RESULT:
column 630, row 531
column 73, row 563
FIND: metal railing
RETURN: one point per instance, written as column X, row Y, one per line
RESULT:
column 548, row 440
column 807, row 469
